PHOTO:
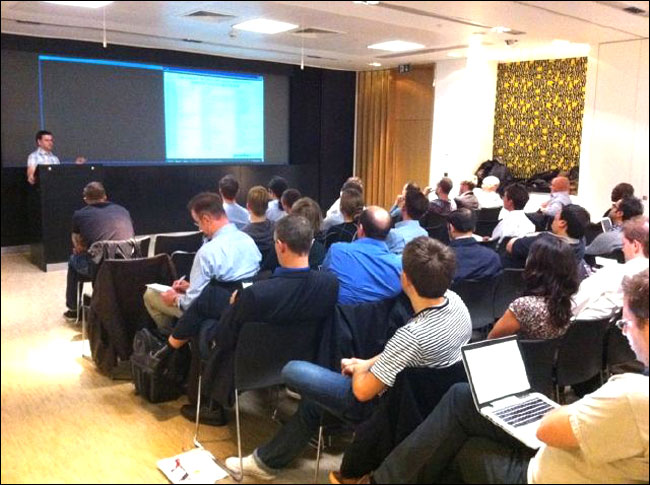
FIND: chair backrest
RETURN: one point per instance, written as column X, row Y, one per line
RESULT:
column 486, row 220
column 617, row 349
column 580, row 355
column 119, row 249
column 540, row 357
column 510, row 287
column 168, row 244
column 143, row 244
column 183, row 261
column 478, row 296
column 264, row 349
column 617, row 254
column 436, row 226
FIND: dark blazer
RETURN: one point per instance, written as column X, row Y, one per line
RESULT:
column 287, row 298
column 473, row 261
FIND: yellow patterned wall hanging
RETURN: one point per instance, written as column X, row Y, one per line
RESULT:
column 538, row 115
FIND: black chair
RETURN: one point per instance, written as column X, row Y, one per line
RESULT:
column 592, row 231
column 183, row 261
column 617, row 352
column 486, row 220
column 168, row 244
column 436, row 226
column 580, row 354
column 617, row 254
column 540, row 357
column 510, row 287
column 262, row 351
column 478, row 296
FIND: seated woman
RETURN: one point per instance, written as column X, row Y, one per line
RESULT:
column 544, row 311
column 350, row 207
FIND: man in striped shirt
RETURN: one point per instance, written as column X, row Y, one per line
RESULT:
column 432, row 338
column 42, row 155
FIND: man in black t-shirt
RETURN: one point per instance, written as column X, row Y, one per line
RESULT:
column 100, row 220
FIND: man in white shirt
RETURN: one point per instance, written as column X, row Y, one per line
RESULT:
column 42, row 155
column 334, row 215
column 601, row 294
column 487, row 195
column 515, row 222
column 228, row 188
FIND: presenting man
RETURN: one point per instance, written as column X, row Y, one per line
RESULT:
column 100, row 220
column 43, row 155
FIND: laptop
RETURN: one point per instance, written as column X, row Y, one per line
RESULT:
column 501, row 391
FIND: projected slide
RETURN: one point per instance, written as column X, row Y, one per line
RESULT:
column 213, row 116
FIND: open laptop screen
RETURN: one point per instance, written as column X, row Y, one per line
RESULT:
column 495, row 369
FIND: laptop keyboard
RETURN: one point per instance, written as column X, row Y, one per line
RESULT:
column 525, row 412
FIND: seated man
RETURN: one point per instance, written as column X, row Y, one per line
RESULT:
column 100, row 220
column 622, row 210
column 515, row 222
column 365, row 268
column 473, row 261
column 559, row 198
column 602, row 438
column 466, row 198
column 228, row 188
column 229, row 255
column 415, row 205
column 277, row 185
column 292, row 295
column 289, row 197
column 350, row 208
column 569, row 224
column 442, row 205
column 620, row 191
column 333, row 215
column 601, row 294
column 432, row 338
column 259, row 227
column 487, row 195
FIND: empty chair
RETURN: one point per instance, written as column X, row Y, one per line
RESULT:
column 539, row 358
column 486, row 220
column 509, row 287
column 436, row 226
column 478, row 296
column 617, row 353
column 168, row 244
column 580, row 354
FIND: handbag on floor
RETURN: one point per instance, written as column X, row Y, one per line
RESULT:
column 159, row 373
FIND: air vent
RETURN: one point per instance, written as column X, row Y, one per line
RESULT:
column 625, row 7
column 314, row 33
column 309, row 56
column 28, row 22
column 210, row 16
column 193, row 41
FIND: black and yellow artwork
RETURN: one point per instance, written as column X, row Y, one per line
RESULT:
column 538, row 115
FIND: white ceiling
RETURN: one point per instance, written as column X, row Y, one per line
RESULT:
column 443, row 27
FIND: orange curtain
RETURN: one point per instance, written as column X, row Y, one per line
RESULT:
column 375, row 155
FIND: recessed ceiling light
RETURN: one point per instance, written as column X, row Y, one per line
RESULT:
column 396, row 46
column 367, row 3
column 375, row 64
column 264, row 26
column 500, row 29
column 83, row 4
column 454, row 54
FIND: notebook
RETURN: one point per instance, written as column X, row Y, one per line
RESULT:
column 501, row 391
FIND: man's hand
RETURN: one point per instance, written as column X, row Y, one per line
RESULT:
column 80, row 160
column 233, row 297
column 180, row 286
column 348, row 366
column 169, row 297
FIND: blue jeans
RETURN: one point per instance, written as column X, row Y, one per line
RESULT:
column 78, row 265
column 321, row 389
column 456, row 438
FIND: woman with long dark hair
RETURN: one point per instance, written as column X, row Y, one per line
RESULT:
column 551, row 277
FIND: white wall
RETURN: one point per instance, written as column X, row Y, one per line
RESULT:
column 463, row 118
column 615, row 131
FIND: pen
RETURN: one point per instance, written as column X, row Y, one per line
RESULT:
column 181, row 278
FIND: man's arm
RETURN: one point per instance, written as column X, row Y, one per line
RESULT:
column 555, row 429
column 31, row 174
column 78, row 244
column 365, row 385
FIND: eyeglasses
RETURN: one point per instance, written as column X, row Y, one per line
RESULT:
column 196, row 224
column 622, row 323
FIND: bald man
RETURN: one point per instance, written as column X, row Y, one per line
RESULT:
column 365, row 268
column 560, row 187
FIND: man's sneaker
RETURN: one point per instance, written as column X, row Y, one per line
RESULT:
column 251, row 468
column 337, row 478
column 214, row 416
column 70, row 316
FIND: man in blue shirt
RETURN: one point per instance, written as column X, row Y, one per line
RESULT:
column 473, row 261
column 228, row 188
column 414, row 206
column 229, row 255
column 365, row 268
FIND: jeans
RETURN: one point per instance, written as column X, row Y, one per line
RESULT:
column 78, row 265
column 455, row 437
column 321, row 389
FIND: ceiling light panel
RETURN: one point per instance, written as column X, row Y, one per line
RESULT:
column 83, row 4
column 396, row 46
column 264, row 26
